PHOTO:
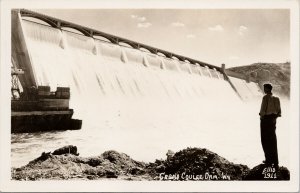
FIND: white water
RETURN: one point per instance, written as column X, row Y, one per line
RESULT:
column 141, row 104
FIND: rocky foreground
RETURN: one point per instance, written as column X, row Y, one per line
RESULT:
column 188, row 164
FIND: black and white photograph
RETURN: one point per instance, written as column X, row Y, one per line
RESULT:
column 149, row 96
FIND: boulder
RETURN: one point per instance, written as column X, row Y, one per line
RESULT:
column 69, row 149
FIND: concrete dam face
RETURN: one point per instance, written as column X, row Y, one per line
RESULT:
column 126, row 96
column 97, row 70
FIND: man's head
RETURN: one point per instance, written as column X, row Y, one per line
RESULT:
column 267, row 88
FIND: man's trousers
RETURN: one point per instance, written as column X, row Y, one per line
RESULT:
column 268, row 138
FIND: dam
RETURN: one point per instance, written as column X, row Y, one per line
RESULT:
column 131, row 97
column 42, row 45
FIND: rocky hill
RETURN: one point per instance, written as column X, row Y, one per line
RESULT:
column 194, row 164
column 278, row 74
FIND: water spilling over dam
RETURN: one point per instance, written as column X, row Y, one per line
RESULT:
column 136, row 101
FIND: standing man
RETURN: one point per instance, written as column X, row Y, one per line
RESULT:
column 270, row 110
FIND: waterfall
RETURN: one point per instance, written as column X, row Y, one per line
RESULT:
column 101, row 74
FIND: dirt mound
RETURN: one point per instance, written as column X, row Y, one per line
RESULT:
column 187, row 164
column 264, row 172
column 65, row 165
column 200, row 164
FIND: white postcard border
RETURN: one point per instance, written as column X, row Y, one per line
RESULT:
column 102, row 185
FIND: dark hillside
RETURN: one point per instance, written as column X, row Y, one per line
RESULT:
column 278, row 74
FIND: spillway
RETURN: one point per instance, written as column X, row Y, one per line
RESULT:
column 137, row 102
column 99, row 71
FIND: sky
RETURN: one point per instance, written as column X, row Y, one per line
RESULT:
column 234, row 37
